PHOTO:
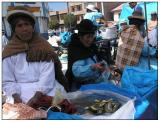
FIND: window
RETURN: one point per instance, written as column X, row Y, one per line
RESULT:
column 62, row 16
column 72, row 9
column 79, row 7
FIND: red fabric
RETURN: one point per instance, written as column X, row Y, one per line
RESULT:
column 44, row 101
column 67, row 107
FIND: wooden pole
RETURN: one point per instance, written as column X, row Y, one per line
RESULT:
column 147, row 36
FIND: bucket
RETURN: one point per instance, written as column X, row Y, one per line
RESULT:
column 109, row 33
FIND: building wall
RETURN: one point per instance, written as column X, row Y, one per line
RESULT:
column 5, row 24
column 78, row 9
column 79, row 12
column 116, row 16
column 105, row 8
column 108, row 6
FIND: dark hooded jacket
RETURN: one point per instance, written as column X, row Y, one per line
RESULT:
column 76, row 51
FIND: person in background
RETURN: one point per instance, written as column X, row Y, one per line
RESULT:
column 153, row 30
column 135, row 6
column 101, row 20
column 153, row 37
column 153, row 23
column 122, row 24
column 152, row 41
column 93, row 14
column 31, row 69
column 4, row 39
column 127, row 10
column 84, row 65
column 131, row 41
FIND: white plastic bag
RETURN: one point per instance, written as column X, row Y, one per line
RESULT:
column 81, row 99
column 125, row 112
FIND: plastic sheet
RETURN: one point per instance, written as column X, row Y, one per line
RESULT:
column 61, row 116
column 65, row 38
column 139, row 81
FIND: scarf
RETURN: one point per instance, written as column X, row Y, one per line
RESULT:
column 37, row 49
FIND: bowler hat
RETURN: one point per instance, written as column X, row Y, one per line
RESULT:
column 154, row 13
column 86, row 26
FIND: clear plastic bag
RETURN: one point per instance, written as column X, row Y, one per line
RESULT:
column 57, row 98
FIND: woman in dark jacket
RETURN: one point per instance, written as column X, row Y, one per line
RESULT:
column 84, row 65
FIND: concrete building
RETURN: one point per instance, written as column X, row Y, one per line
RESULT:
column 79, row 10
column 107, row 8
column 59, row 16
column 116, row 13
column 39, row 9
column 76, row 8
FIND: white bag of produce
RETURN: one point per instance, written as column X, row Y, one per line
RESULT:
column 83, row 99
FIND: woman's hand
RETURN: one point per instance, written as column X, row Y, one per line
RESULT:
column 35, row 99
column 98, row 67
column 17, row 98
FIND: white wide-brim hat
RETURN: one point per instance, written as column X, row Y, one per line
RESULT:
column 91, row 7
column 16, row 13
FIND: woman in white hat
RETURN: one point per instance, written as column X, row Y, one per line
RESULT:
column 31, row 69
column 93, row 14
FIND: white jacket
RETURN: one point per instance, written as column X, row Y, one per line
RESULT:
column 25, row 78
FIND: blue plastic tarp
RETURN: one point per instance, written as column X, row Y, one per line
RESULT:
column 151, row 113
column 143, row 63
column 61, row 116
column 138, row 80
column 144, row 82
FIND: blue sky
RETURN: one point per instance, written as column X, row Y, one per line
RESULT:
column 56, row 6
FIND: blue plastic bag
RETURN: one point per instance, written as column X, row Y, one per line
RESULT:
column 65, row 38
